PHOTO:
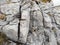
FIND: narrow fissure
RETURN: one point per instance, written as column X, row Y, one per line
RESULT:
column 19, row 24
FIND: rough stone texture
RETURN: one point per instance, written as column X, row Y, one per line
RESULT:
column 41, row 26
column 11, row 31
column 10, row 28
column 24, row 28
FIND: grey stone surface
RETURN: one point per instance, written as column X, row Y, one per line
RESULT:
column 37, row 28
column 47, row 21
column 24, row 28
column 11, row 31
column 2, row 1
column 10, row 9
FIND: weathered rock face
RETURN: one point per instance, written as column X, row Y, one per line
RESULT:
column 10, row 25
column 39, row 25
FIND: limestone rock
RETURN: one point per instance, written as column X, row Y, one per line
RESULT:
column 24, row 28
column 47, row 21
column 36, row 38
column 58, row 36
column 3, row 23
column 39, row 18
column 3, row 1
column 10, row 9
column 57, row 18
column 53, row 40
column 16, row 1
column 11, row 31
column 41, row 31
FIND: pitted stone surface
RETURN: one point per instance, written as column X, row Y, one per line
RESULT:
column 11, row 31
column 10, row 9
column 38, row 26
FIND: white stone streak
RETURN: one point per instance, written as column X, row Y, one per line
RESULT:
column 24, row 28
column 53, row 39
